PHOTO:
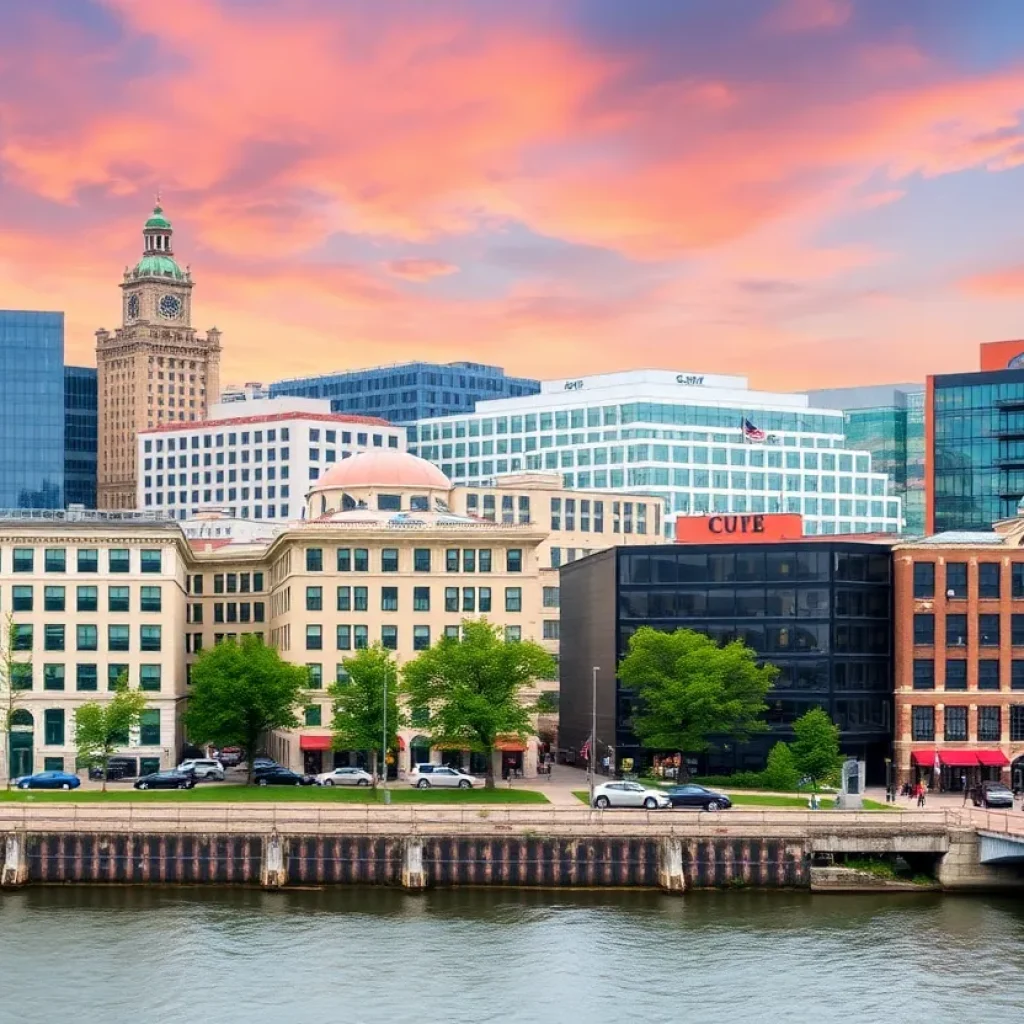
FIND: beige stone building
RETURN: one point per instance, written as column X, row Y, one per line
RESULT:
column 153, row 369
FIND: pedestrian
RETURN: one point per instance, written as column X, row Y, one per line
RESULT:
column 921, row 791
column 606, row 763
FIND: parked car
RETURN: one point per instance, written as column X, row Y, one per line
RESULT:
column 203, row 768
column 345, row 777
column 283, row 777
column 230, row 757
column 170, row 779
column 261, row 764
column 117, row 768
column 692, row 795
column 426, row 776
column 629, row 794
column 48, row 780
column 991, row 794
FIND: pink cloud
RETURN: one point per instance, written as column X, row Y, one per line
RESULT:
column 420, row 269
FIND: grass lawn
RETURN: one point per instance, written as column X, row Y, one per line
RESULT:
column 761, row 800
column 276, row 794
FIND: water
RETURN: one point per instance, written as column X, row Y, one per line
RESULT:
column 149, row 956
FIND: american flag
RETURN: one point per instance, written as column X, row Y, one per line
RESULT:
column 752, row 433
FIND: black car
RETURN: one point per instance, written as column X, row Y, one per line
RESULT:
column 117, row 768
column 692, row 795
column 264, row 764
column 282, row 777
column 992, row 794
column 166, row 780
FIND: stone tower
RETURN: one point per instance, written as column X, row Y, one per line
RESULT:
column 155, row 368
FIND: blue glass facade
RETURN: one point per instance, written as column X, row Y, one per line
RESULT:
column 80, row 429
column 408, row 392
column 31, row 409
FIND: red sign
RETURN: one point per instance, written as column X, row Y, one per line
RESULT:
column 1002, row 355
column 736, row 528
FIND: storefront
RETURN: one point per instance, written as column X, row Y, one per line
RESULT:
column 512, row 754
column 953, row 771
column 313, row 748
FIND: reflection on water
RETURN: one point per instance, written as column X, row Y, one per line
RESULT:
column 363, row 955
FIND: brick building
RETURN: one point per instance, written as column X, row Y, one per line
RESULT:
column 959, row 657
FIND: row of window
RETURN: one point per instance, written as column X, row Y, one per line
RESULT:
column 54, row 733
column 456, row 560
column 754, row 602
column 987, row 629
column 473, row 599
column 989, row 580
column 245, row 437
column 86, row 676
column 231, row 611
column 228, row 583
column 956, row 674
column 150, row 464
column 86, row 560
column 357, row 637
column 990, row 723
column 86, row 637
column 23, row 599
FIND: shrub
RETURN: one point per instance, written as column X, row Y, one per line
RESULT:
column 780, row 772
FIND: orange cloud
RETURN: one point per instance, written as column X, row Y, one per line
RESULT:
column 420, row 269
column 1007, row 283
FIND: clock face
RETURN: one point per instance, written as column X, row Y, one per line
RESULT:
column 133, row 307
column 169, row 306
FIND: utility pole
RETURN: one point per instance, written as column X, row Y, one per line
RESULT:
column 593, row 736
column 384, row 762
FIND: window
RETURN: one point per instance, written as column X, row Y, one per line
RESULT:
column 956, row 675
column 149, row 638
column 258, row 611
column 389, row 599
column 149, row 728
column 149, row 677
column 53, row 599
column 314, row 638
column 389, row 637
column 389, row 560
column 484, row 599
column 988, row 674
column 419, row 716
column 420, row 638
column 924, row 628
column 118, row 638
column 956, row 579
column 53, row 637
column 924, row 674
column 469, row 560
column 343, row 636
column 314, row 599
column 85, row 677
column 55, row 560
column 21, row 599
column 1016, row 723
column 922, row 723
column 151, row 560
column 924, row 579
column 483, row 562
column 314, row 559
column 990, row 723
column 451, row 560
column 344, row 599
column 988, row 630
column 513, row 634
column 451, row 632
column 88, row 560
column 1017, row 580
column 150, row 600
column 1017, row 630
column 1017, row 674
column 956, row 724
column 361, row 599
column 551, row 599
column 313, row 715
column 514, row 560
column 53, row 727
column 469, row 599
column 21, row 676
column 361, row 560
column 451, row 599
column 421, row 560
column 956, row 630
column 988, row 579
column 87, row 599
column 551, row 629
column 22, row 637
column 23, row 559
column 513, row 599
column 119, row 560
column 421, row 599
column 117, row 599
column 315, row 676
column 344, row 560
column 53, row 677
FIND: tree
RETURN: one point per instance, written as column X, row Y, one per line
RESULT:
column 100, row 728
column 241, row 691
column 691, row 690
column 781, row 772
column 12, row 685
column 358, row 705
column 816, row 746
column 472, row 687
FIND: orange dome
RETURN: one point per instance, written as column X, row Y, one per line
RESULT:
column 383, row 469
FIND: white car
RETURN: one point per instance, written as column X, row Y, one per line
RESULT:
column 203, row 768
column 428, row 776
column 629, row 794
column 344, row 777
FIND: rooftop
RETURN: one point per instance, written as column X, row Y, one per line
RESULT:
column 383, row 468
column 370, row 421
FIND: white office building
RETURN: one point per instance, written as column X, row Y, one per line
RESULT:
column 705, row 443
column 252, row 460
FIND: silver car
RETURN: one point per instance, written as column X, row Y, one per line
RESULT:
column 203, row 768
column 344, row 777
column 427, row 776
column 629, row 794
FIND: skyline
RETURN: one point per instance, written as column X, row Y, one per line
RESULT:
column 560, row 189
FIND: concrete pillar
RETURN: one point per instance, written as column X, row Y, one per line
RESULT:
column 671, row 877
column 14, row 871
column 272, row 872
column 414, row 878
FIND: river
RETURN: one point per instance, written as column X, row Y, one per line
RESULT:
column 157, row 956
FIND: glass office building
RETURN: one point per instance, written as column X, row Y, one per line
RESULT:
column 31, row 409
column 821, row 610
column 80, row 430
column 887, row 421
column 703, row 444
column 407, row 392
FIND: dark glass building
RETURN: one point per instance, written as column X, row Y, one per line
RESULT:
column 31, row 409
column 80, row 426
column 818, row 609
column 407, row 392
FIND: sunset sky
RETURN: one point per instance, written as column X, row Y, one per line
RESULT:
column 810, row 192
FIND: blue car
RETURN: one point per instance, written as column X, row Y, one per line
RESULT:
column 48, row 780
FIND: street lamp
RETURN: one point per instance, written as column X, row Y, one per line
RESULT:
column 593, row 734
column 384, row 762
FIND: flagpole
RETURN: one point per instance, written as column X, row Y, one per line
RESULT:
column 593, row 734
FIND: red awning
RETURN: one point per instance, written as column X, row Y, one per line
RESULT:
column 510, row 746
column 923, row 758
column 992, row 759
column 401, row 743
column 959, row 758
column 307, row 742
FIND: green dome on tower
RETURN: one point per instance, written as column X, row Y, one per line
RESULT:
column 158, row 220
column 158, row 266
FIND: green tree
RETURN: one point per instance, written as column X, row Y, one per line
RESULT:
column 240, row 691
column 102, row 727
column 692, row 690
column 473, row 687
column 781, row 773
column 12, row 684
column 816, row 746
column 358, row 705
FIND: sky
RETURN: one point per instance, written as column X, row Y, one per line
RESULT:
column 811, row 193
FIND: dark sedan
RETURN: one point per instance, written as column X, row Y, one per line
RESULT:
column 992, row 794
column 283, row 777
column 48, row 780
column 698, row 797
column 166, row 780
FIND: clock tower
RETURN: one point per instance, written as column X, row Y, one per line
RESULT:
column 153, row 369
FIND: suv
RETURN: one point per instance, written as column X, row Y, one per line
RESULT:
column 117, row 768
column 425, row 776
column 203, row 768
